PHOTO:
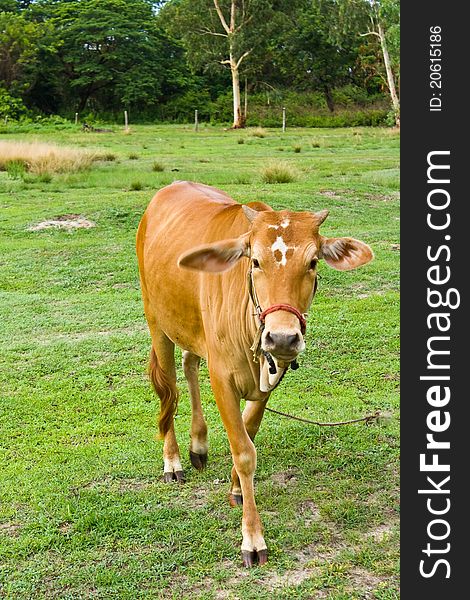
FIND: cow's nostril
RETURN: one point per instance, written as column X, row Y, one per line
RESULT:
column 269, row 340
column 292, row 340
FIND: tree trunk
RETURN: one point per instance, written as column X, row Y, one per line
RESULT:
column 83, row 102
column 329, row 99
column 390, row 77
column 245, row 110
column 232, row 31
column 238, row 119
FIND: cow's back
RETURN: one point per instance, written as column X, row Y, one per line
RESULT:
column 181, row 216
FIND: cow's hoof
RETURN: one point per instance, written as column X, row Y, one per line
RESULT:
column 174, row 476
column 235, row 499
column 252, row 558
column 199, row 461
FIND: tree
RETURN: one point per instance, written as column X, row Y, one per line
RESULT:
column 380, row 19
column 19, row 45
column 111, row 54
column 378, row 12
column 231, row 33
column 312, row 54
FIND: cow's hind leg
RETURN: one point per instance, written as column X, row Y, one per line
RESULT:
column 163, row 377
column 198, row 446
column 252, row 416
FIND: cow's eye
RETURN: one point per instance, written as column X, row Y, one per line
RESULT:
column 256, row 263
column 313, row 264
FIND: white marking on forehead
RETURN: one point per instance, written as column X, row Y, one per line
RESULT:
column 285, row 223
column 280, row 245
column 273, row 226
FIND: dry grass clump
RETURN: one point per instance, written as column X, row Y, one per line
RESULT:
column 40, row 158
column 105, row 156
column 258, row 132
column 136, row 186
column 158, row 167
column 279, row 172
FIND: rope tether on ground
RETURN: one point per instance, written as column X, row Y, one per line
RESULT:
column 368, row 419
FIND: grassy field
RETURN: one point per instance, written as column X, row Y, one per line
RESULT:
column 83, row 510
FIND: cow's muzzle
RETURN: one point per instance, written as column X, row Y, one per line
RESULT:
column 285, row 345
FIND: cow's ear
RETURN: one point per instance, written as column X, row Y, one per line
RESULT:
column 345, row 253
column 216, row 257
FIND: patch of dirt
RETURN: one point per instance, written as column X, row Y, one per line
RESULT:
column 284, row 478
column 309, row 564
column 395, row 247
column 65, row 528
column 383, row 197
column 329, row 193
column 310, row 512
column 11, row 529
column 364, row 580
column 133, row 485
column 380, row 532
column 325, row 552
column 293, row 577
column 207, row 584
column 199, row 497
column 88, row 335
column 67, row 222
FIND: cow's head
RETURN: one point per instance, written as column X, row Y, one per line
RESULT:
column 284, row 249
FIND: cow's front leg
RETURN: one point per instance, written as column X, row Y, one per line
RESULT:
column 252, row 416
column 244, row 459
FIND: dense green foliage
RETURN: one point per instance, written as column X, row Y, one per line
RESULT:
column 83, row 511
column 164, row 60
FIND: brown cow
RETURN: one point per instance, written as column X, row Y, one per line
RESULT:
column 231, row 284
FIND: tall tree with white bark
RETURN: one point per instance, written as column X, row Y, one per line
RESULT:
column 380, row 19
column 377, row 16
column 232, row 27
column 231, row 33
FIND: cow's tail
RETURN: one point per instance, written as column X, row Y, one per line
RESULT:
column 167, row 392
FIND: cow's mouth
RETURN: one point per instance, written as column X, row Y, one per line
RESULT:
column 272, row 370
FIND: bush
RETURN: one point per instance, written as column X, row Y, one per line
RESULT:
column 15, row 168
column 27, row 124
column 136, row 186
column 106, row 156
column 356, row 118
column 158, row 167
column 258, row 132
column 279, row 172
column 10, row 106
column 221, row 110
column 181, row 110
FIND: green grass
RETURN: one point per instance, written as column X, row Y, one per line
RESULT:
column 83, row 511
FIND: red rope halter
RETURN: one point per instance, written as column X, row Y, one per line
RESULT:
column 287, row 308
